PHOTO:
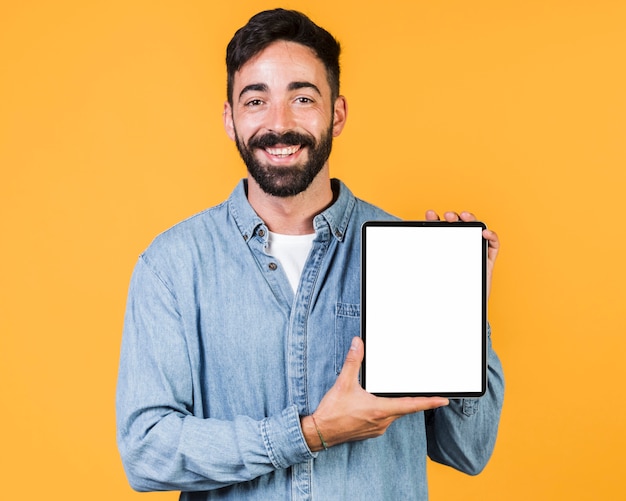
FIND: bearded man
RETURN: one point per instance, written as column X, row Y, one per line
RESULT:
column 239, row 371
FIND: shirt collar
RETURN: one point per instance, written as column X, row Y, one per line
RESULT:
column 336, row 216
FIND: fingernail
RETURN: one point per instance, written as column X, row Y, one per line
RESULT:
column 353, row 346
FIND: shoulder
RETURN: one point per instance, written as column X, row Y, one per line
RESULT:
column 187, row 242
column 197, row 226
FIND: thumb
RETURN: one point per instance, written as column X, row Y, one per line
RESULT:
column 352, row 363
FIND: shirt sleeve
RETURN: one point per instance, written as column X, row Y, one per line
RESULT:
column 163, row 445
column 463, row 434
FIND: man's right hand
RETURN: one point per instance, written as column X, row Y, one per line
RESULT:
column 348, row 413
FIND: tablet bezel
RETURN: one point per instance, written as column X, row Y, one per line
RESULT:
column 473, row 393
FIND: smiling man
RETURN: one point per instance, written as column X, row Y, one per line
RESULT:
column 290, row 123
column 241, row 352
column 283, row 110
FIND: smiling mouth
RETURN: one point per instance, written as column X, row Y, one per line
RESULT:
column 283, row 151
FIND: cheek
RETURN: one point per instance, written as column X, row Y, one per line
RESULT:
column 246, row 126
column 316, row 122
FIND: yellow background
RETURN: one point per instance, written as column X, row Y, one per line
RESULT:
column 110, row 132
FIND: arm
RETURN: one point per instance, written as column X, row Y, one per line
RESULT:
column 463, row 434
column 163, row 445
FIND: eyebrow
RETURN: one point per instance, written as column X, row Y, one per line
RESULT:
column 258, row 87
column 261, row 87
column 303, row 85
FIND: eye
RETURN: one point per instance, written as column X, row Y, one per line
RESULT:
column 304, row 100
column 253, row 103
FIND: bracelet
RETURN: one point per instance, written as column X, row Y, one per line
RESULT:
column 319, row 434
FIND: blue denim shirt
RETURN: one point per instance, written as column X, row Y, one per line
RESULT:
column 220, row 359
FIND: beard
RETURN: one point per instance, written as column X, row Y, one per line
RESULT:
column 285, row 181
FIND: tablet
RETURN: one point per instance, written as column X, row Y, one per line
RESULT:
column 424, row 308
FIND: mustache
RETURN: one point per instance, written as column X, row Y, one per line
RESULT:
column 289, row 138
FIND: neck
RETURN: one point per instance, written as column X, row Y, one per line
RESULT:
column 292, row 215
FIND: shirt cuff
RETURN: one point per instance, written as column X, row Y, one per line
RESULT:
column 283, row 439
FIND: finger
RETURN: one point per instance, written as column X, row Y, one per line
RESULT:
column 493, row 244
column 408, row 405
column 492, row 237
column 431, row 215
column 467, row 216
column 352, row 363
column 451, row 217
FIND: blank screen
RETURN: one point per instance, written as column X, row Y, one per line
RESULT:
column 424, row 308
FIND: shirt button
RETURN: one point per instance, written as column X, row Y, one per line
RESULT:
column 272, row 266
column 261, row 233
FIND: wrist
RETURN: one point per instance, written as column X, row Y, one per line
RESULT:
column 310, row 433
column 319, row 433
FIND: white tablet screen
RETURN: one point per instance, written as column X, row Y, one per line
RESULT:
column 424, row 308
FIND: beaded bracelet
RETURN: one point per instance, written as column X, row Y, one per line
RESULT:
column 319, row 434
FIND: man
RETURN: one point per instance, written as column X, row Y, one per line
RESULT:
column 240, row 358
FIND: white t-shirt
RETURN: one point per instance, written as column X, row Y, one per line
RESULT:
column 291, row 251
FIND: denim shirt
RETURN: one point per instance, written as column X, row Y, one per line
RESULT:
column 220, row 359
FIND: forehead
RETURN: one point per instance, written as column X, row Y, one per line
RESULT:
column 281, row 63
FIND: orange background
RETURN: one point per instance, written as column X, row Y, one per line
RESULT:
column 110, row 132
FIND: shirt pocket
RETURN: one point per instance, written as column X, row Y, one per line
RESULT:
column 347, row 326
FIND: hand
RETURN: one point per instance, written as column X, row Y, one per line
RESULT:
column 489, row 235
column 348, row 413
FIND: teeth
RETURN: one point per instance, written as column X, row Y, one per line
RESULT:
column 283, row 152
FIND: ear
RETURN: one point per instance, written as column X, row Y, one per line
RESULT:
column 227, row 116
column 340, row 115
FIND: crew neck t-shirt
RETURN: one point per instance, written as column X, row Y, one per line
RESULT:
column 291, row 252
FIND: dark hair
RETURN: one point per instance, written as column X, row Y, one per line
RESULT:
column 270, row 26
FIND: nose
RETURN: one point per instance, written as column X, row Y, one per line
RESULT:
column 280, row 117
